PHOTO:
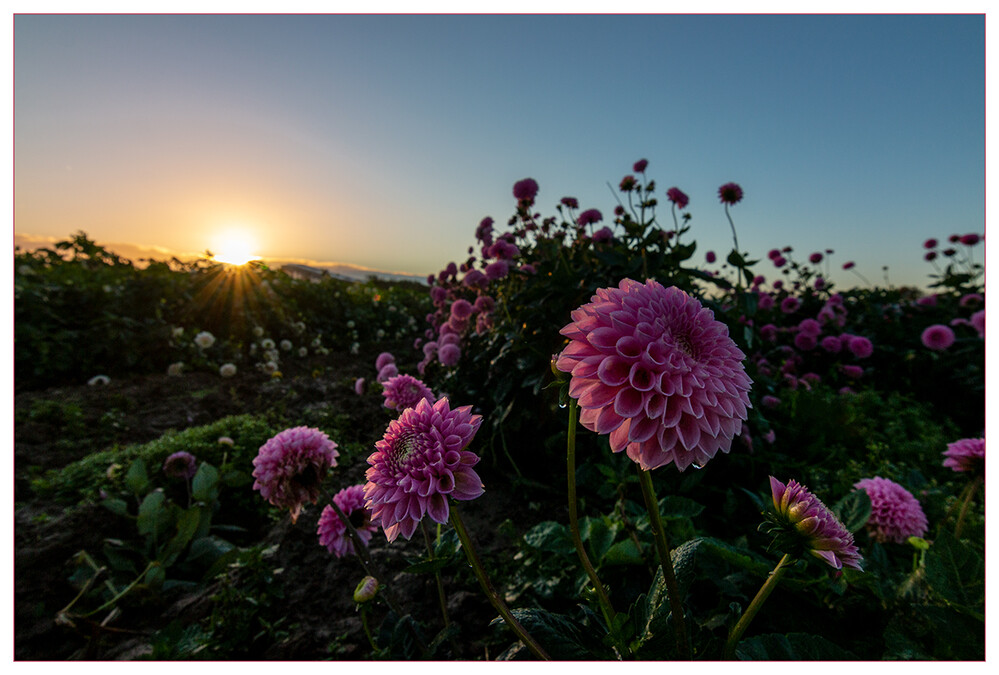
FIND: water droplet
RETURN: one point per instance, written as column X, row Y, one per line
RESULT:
column 697, row 466
column 563, row 405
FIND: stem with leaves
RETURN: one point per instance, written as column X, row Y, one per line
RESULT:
column 662, row 546
column 769, row 585
column 490, row 590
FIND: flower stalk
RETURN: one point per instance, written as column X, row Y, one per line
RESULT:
column 662, row 546
column 970, row 490
column 765, row 590
column 490, row 590
column 605, row 604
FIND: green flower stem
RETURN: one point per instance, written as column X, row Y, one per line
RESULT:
column 754, row 606
column 972, row 489
column 440, row 585
column 369, row 565
column 367, row 628
column 490, row 591
column 605, row 604
column 662, row 546
column 735, row 239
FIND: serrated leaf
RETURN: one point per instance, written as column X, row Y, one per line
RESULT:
column 956, row 574
column 672, row 507
column 853, row 510
column 595, row 533
column 550, row 536
column 624, row 552
column 561, row 636
column 791, row 647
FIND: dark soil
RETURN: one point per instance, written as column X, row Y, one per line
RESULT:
column 310, row 591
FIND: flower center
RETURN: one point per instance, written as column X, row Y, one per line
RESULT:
column 404, row 447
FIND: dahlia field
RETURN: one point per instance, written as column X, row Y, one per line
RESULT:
column 588, row 440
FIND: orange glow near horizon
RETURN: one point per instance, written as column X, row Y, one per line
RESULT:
column 234, row 247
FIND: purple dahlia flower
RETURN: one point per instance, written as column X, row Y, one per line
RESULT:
column 803, row 523
column 678, row 197
column 405, row 391
column 937, row 337
column 525, row 190
column 180, row 464
column 419, row 463
column 654, row 369
column 333, row 533
column 291, row 466
column 967, row 454
column 730, row 193
column 895, row 514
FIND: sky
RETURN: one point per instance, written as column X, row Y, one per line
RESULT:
column 382, row 141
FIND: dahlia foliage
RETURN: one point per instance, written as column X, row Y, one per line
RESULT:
column 291, row 466
column 895, row 514
column 653, row 368
column 801, row 523
column 419, row 463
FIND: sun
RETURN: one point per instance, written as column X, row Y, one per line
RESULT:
column 235, row 247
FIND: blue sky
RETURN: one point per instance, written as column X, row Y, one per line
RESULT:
column 383, row 140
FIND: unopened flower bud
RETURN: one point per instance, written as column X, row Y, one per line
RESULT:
column 366, row 590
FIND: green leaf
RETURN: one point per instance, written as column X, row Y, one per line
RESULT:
column 187, row 525
column 154, row 516
column 735, row 259
column 624, row 552
column 595, row 533
column 136, row 478
column 853, row 510
column 550, row 536
column 561, row 636
column 206, row 551
column 427, row 566
column 116, row 506
column 155, row 576
column 792, row 647
column 205, row 485
column 956, row 574
column 673, row 507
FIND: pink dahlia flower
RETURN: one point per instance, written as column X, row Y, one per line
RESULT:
column 678, row 197
column 978, row 321
column 653, row 368
column 730, row 193
column 967, row 454
column 805, row 342
column 419, row 463
column 386, row 358
column 790, row 304
column 291, row 466
column 180, row 464
column 895, row 514
column 333, row 533
column 461, row 309
column 570, row 202
column 359, row 386
column 589, row 217
column 387, row 371
column 640, row 165
column 831, row 344
column 937, row 337
column 860, row 346
column 803, row 523
column 405, row 391
column 449, row 354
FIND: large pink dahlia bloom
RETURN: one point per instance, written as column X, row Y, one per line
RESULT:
column 895, row 514
column 419, row 463
column 405, row 391
column 653, row 368
column 291, row 466
column 332, row 531
column 803, row 523
column 967, row 454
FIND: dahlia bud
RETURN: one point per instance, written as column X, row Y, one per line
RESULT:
column 366, row 590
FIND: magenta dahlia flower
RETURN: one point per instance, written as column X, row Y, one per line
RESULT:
column 978, row 322
column 861, row 347
column 405, row 391
column 419, row 463
column 937, row 337
column 678, row 197
column 967, row 454
column 730, row 193
column 653, row 368
column 525, row 190
column 710, row 257
column 895, row 514
column 802, row 523
column 386, row 358
column 640, row 165
column 332, row 531
column 181, row 464
column 589, row 217
column 291, row 466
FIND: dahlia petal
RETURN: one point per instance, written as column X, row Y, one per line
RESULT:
column 619, row 437
column 642, row 429
column 606, row 421
column 629, row 402
column 596, row 395
column 829, row 557
column 612, row 371
column 467, row 485
column 688, row 432
column 604, row 339
column 437, row 509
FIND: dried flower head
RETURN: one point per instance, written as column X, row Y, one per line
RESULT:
column 967, row 454
column 291, row 466
column 802, row 523
column 895, row 514
column 419, row 463
column 653, row 368
column 332, row 531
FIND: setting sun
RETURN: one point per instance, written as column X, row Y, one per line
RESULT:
column 235, row 248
